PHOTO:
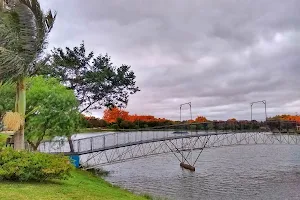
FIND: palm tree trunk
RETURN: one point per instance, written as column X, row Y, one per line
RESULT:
column 20, row 108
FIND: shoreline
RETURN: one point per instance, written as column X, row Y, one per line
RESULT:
column 82, row 185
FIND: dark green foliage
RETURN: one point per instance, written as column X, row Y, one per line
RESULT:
column 55, row 108
column 33, row 166
column 119, row 121
column 2, row 140
column 143, row 124
column 93, row 122
column 7, row 99
column 125, row 125
column 115, row 127
column 95, row 81
column 52, row 109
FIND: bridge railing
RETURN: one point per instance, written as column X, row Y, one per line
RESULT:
column 117, row 139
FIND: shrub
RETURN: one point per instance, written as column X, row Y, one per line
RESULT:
column 2, row 140
column 93, row 122
column 115, row 127
column 32, row 166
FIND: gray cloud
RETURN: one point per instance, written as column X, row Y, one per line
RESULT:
column 219, row 54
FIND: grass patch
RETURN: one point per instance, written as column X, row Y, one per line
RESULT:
column 82, row 185
column 150, row 197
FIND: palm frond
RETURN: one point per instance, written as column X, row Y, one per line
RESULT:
column 37, row 22
column 23, row 34
column 9, row 37
column 27, row 33
column 11, row 64
column 39, row 66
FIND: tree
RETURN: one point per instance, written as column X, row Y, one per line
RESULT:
column 7, row 98
column 111, row 115
column 93, row 122
column 96, row 81
column 201, row 119
column 54, row 109
column 23, row 32
column 231, row 120
column 56, row 113
column 125, row 124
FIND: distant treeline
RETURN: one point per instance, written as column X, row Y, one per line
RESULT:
column 93, row 122
column 119, row 119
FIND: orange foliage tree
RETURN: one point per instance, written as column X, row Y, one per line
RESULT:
column 145, row 118
column 287, row 118
column 111, row 115
column 231, row 120
column 200, row 119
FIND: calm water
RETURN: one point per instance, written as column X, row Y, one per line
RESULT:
column 243, row 172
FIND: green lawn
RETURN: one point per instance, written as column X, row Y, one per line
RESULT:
column 82, row 186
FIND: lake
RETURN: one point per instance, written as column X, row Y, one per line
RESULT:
column 240, row 172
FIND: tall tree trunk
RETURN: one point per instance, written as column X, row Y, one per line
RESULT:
column 20, row 108
column 71, row 144
column 33, row 146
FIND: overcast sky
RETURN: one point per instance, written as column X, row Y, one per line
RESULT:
column 219, row 54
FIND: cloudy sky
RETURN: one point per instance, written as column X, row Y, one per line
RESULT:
column 219, row 54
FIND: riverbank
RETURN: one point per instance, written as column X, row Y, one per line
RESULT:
column 82, row 185
column 95, row 130
column 105, row 130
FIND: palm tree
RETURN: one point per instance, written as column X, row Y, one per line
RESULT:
column 23, row 32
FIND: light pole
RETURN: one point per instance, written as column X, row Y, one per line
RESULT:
column 182, row 161
column 190, row 104
column 264, row 102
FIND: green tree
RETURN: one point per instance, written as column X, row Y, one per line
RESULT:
column 55, row 109
column 93, row 122
column 95, row 80
column 115, row 127
column 7, row 98
column 124, row 125
column 23, row 32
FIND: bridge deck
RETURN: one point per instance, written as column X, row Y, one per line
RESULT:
column 103, row 147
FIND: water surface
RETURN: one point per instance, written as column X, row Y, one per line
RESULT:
column 242, row 172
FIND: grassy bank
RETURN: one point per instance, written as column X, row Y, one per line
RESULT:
column 99, row 130
column 81, row 186
column 96, row 130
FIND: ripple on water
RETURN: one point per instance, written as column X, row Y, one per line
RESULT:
column 243, row 172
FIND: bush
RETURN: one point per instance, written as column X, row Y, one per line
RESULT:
column 115, row 127
column 2, row 140
column 32, row 166
column 93, row 122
